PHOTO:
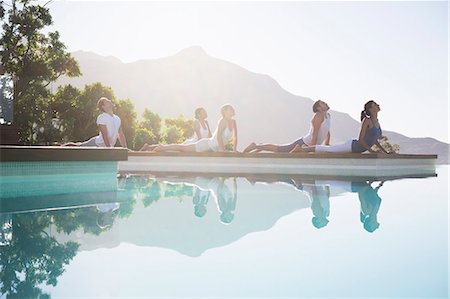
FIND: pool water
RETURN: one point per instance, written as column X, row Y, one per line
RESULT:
column 230, row 237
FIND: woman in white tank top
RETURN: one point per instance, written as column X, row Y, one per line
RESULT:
column 226, row 130
column 200, row 126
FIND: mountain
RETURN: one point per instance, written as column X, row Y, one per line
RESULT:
column 265, row 112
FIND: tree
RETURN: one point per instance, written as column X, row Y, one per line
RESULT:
column 143, row 136
column 35, row 59
column 125, row 110
column 185, row 125
column 172, row 134
column 152, row 122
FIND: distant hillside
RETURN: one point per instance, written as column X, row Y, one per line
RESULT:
column 264, row 110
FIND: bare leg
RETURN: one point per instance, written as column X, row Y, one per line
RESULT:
column 300, row 149
column 71, row 144
column 254, row 148
column 148, row 147
column 175, row 148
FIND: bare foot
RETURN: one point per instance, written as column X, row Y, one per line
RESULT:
column 250, row 148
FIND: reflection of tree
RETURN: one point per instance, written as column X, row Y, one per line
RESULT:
column 178, row 190
column 151, row 193
column 33, row 257
column 81, row 218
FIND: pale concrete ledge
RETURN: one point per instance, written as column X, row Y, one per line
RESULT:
column 358, row 165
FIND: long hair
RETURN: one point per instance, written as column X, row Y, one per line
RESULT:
column 366, row 113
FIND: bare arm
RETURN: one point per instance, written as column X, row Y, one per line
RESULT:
column 382, row 148
column 104, row 131
column 209, row 129
column 220, row 129
column 316, row 122
column 235, row 136
column 196, row 127
column 122, row 139
column 327, row 140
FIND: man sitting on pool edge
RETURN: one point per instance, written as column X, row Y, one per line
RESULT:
column 109, row 126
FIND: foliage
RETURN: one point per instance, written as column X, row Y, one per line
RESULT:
column 386, row 145
column 125, row 110
column 35, row 59
column 185, row 125
column 152, row 122
column 33, row 257
column 178, row 190
column 143, row 136
column 172, row 134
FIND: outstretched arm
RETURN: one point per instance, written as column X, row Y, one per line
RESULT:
column 235, row 136
column 122, row 139
column 316, row 122
column 382, row 148
column 327, row 140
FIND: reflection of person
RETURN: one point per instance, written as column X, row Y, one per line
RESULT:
column 200, row 200
column 318, row 133
column 368, row 136
column 109, row 126
column 370, row 204
column 226, row 201
column 226, row 130
column 105, row 214
column 320, row 205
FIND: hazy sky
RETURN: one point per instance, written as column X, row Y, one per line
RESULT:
column 343, row 52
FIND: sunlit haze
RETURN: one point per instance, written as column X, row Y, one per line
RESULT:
column 343, row 52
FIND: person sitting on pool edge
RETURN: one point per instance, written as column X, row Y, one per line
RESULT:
column 319, row 133
column 109, row 126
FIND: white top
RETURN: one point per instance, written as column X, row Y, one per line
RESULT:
column 204, row 133
column 112, row 124
column 226, row 135
column 323, row 131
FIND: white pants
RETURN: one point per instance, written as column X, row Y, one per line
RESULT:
column 345, row 147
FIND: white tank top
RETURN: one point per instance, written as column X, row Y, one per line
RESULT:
column 204, row 133
column 323, row 131
column 226, row 135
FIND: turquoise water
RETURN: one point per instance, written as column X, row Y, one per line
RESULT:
column 225, row 237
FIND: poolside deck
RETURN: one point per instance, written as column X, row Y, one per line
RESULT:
column 355, row 165
column 124, row 162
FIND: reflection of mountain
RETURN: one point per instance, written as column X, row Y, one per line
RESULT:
column 170, row 223
column 192, row 78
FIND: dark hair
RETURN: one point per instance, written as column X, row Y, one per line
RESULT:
column 197, row 112
column 316, row 105
column 366, row 113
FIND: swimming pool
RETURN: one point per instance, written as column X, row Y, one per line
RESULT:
column 230, row 237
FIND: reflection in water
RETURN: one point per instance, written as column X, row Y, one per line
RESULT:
column 38, row 241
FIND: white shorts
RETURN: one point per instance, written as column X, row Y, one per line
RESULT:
column 202, row 145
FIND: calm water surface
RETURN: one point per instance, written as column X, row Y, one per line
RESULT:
column 226, row 237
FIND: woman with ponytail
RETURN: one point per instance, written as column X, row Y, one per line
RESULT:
column 368, row 136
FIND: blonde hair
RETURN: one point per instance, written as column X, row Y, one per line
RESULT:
column 225, row 108
column 100, row 103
